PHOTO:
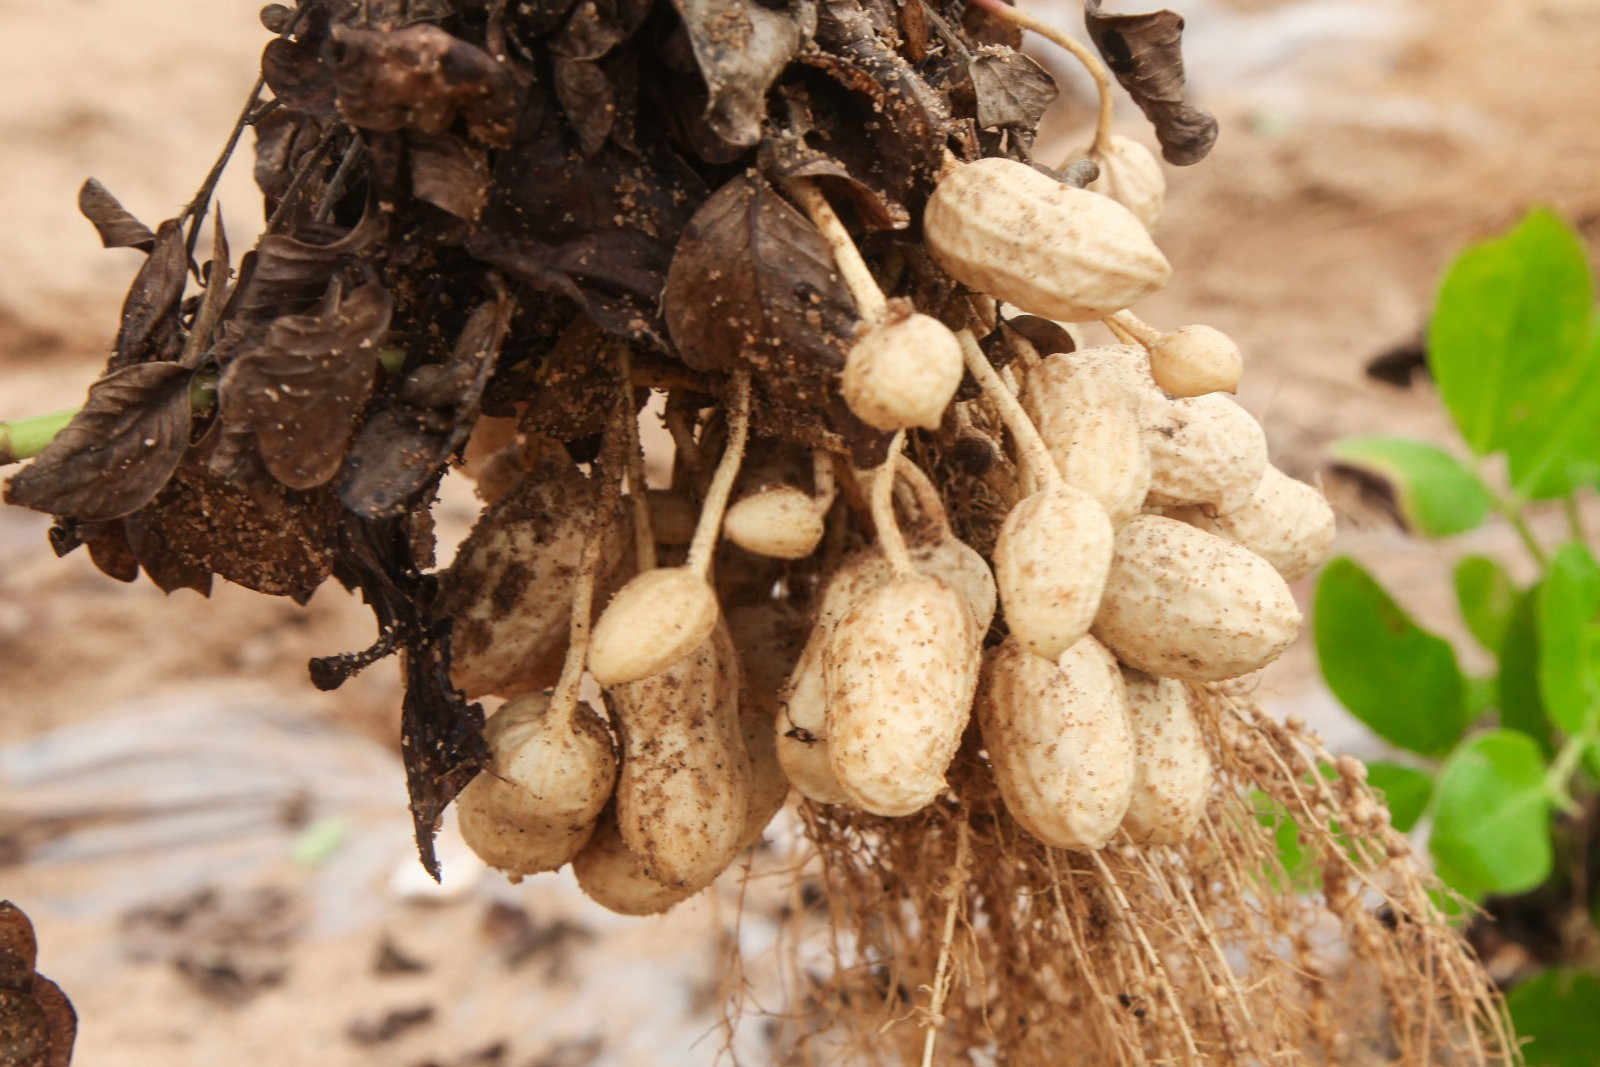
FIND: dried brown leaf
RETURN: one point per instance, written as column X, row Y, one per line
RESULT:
column 301, row 389
column 741, row 47
column 1145, row 52
column 118, row 452
column 154, row 293
column 585, row 95
column 1012, row 90
column 449, row 174
column 298, row 78
column 114, row 223
column 422, row 78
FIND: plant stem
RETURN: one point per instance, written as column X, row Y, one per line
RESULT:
column 889, row 537
column 1035, row 455
column 1569, row 504
column 870, row 301
column 716, row 502
column 1512, row 510
column 1565, row 763
column 25, row 438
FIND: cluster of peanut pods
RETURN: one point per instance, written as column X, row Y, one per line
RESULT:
column 1150, row 549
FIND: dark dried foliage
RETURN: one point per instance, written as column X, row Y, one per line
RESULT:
column 37, row 1023
column 114, row 223
column 1145, row 52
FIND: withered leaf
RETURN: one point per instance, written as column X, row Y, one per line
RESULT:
column 38, row 1025
column 595, row 27
column 785, row 155
column 109, row 550
column 449, row 174
column 753, row 282
column 1047, row 336
column 118, row 452
column 1145, row 52
column 218, row 271
column 585, row 95
column 298, row 78
column 154, row 293
column 114, row 223
column 289, row 274
column 741, row 47
column 302, row 387
column 401, row 448
column 422, row 78
column 441, row 735
column 168, row 568
column 1011, row 89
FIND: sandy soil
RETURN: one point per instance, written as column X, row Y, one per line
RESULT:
column 1362, row 144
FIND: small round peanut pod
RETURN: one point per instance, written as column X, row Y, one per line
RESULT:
column 899, row 670
column 1050, row 563
column 902, row 372
column 1059, row 741
column 1183, row 603
column 1131, row 175
column 1003, row 228
column 1195, row 360
column 1086, row 409
column 1172, row 779
column 782, row 522
column 653, row 622
column 1203, row 450
column 1286, row 522
column 535, row 802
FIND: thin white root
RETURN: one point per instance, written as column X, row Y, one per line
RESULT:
column 955, row 891
column 710, row 524
column 1035, row 456
column 889, row 536
column 870, row 301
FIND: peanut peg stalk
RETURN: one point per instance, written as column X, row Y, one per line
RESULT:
column 1189, row 361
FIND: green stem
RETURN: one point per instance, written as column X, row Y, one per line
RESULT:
column 25, row 438
column 1511, row 508
column 1557, row 779
column 1569, row 504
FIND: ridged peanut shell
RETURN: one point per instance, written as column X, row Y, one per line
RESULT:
column 653, row 622
column 1183, row 603
column 684, row 788
column 1286, row 522
column 1204, row 450
column 769, row 637
column 1059, row 741
column 899, row 670
column 1003, row 228
column 902, row 372
column 781, row 522
column 1088, row 414
column 1050, row 563
column 1131, row 175
column 535, row 802
column 1172, row 767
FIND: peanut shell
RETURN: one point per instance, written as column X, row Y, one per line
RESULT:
column 1088, row 414
column 1172, row 779
column 1195, row 360
column 902, row 372
column 1286, row 522
column 1050, row 563
column 899, row 673
column 1003, row 228
column 1131, row 175
column 782, row 522
column 653, row 622
column 1203, row 450
column 1183, row 603
column 1059, row 741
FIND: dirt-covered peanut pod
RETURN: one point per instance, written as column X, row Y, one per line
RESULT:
column 1087, row 412
column 1172, row 767
column 1003, row 228
column 663, row 614
column 1286, row 522
column 1189, row 361
column 616, row 879
column 769, row 637
column 684, row 788
column 1054, row 548
column 550, row 772
column 1059, row 741
column 551, row 764
column 899, row 672
column 1203, row 450
column 1183, row 603
column 1131, row 175
column 510, row 590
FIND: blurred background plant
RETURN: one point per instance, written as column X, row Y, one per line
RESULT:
column 1501, row 767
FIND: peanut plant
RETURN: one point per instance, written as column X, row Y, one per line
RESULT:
column 1508, row 762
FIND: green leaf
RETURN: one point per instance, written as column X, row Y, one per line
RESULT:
column 1521, row 705
column 1400, row 680
column 1556, row 1012
column 1436, row 494
column 1405, row 790
column 1491, row 816
column 1569, row 600
column 1486, row 597
column 1551, row 459
column 1509, row 332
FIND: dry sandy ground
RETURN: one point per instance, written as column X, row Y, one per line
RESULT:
column 1363, row 143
